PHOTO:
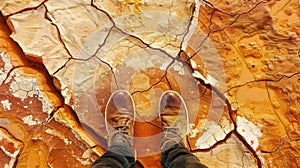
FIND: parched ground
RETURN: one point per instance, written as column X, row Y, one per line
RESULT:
column 236, row 64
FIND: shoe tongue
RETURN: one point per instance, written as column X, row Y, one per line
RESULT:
column 121, row 119
column 122, row 122
column 121, row 128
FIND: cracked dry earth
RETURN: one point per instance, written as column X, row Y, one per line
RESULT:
column 236, row 64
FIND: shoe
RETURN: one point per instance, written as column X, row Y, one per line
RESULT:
column 173, row 115
column 119, row 118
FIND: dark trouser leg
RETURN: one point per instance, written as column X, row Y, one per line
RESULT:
column 179, row 157
column 117, row 155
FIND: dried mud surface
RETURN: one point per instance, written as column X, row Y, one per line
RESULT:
column 236, row 64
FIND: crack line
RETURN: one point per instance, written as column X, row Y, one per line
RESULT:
column 286, row 4
column 128, row 34
column 57, row 30
column 28, row 9
column 239, row 15
column 275, row 112
column 164, row 76
column 263, row 80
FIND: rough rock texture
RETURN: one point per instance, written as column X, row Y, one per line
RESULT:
column 236, row 64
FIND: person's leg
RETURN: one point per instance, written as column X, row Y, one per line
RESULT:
column 116, row 156
column 178, row 156
column 119, row 119
column 173, row 115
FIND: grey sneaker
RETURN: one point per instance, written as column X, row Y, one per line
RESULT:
column 119, row 118
column 173, row 115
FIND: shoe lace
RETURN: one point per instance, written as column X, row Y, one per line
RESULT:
column 171, row 136
column 122, row 129
column 120, row 136
column 171, row 133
